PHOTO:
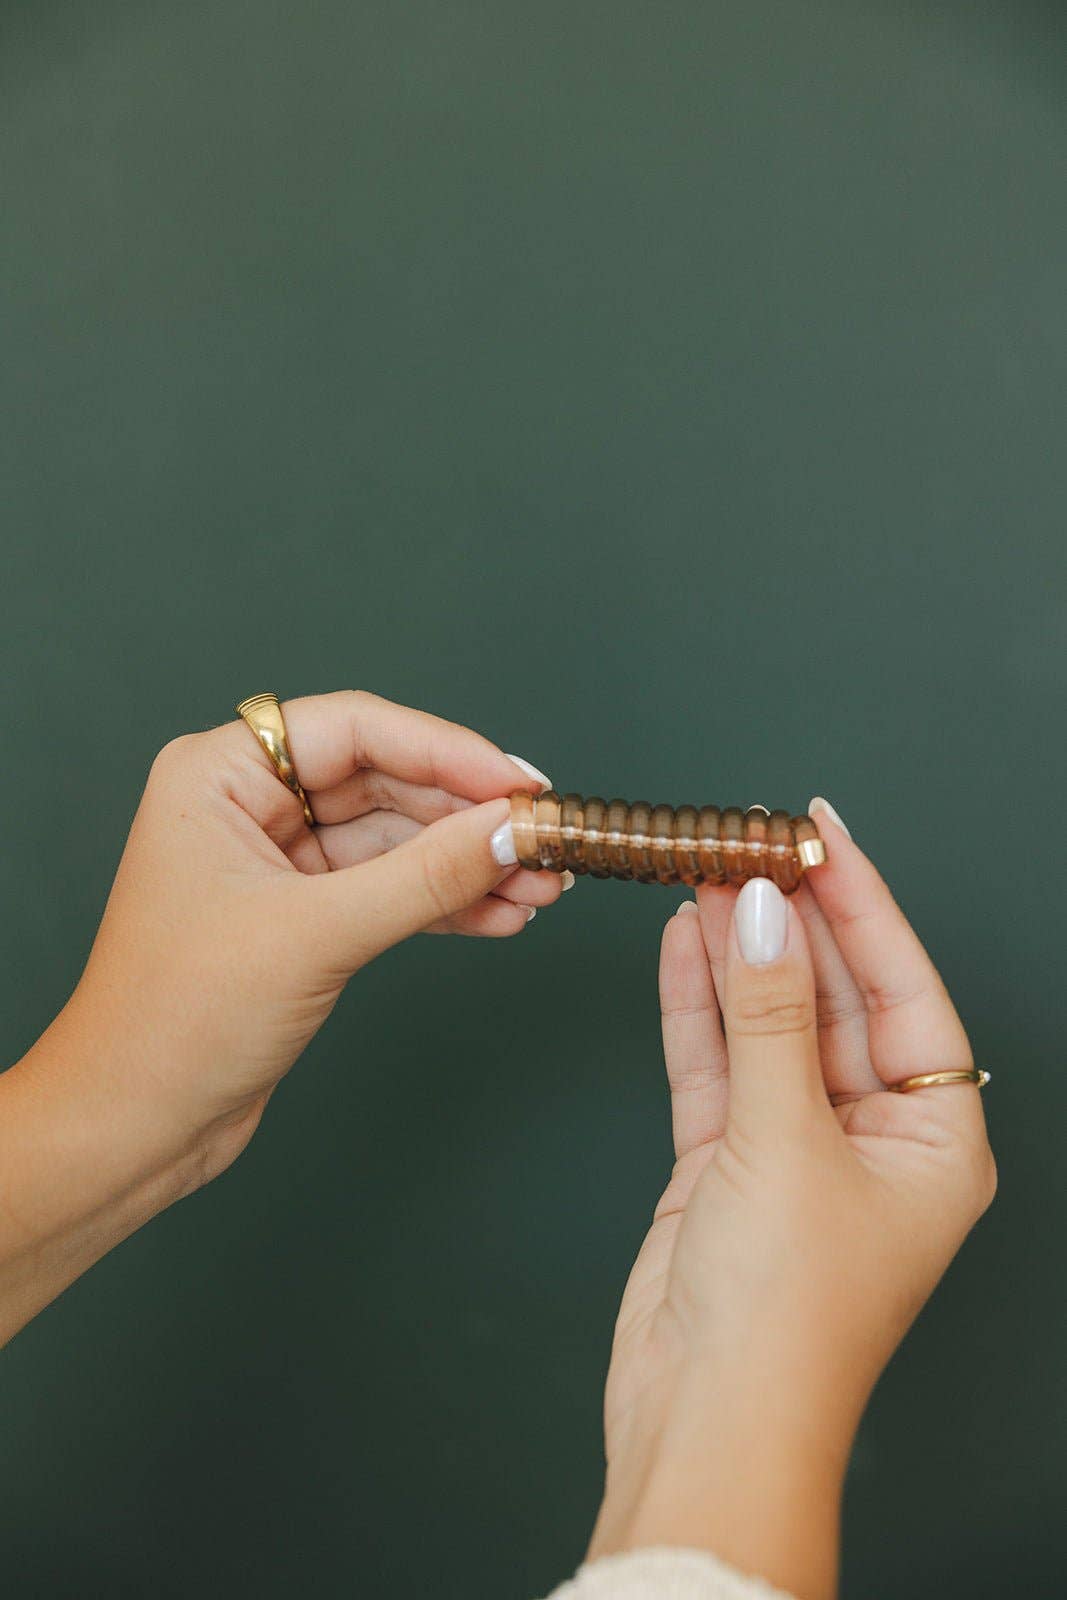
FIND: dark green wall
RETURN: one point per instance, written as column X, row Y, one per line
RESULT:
column 675, row 392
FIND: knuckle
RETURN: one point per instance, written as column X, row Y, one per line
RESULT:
column 984, row 1178
column 838, row 1006
column 357, row 708
column 881, row 999
column 772, row 1014
column 175, row 757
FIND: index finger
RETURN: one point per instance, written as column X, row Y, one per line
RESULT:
column 694, row 1049
column 912, row 1024
column 334, row 735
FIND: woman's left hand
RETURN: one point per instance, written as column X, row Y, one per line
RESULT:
column 232, row 927
column 230, row 931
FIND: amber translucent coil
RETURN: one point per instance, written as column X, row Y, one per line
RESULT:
column 663, row 844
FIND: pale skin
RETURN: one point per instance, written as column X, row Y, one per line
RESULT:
column 229, row 934
column 809, row 1216
column 810, row 1213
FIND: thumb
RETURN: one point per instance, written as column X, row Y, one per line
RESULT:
column 769, row 1015
column 444, row 868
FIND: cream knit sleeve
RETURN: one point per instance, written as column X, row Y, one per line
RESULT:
column 663, row 1574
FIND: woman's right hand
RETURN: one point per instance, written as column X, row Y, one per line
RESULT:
column 809, row 1216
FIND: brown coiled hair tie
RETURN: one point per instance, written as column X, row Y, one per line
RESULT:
column 661, row 844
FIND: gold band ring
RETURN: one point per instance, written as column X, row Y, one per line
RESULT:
column 264, row 716
column 932, row 1080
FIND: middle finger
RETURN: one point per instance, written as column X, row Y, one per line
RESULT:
column 843, row 1042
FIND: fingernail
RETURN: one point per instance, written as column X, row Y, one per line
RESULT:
column 766, row 813
column 502, row 846
column 686, row 905
column 760, row 917
column 531, row 771
column 567, row 880
column 819, row 804
column 531, row 912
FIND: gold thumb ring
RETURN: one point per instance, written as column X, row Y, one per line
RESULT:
column 264, row 716
column 932, row 1080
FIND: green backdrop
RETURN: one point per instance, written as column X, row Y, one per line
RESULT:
column 676, row 393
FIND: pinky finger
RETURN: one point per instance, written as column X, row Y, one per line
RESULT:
column 491, row 918
column 531, row 888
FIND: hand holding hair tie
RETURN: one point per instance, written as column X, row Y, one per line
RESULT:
column 809, row 1215
column 241, row 907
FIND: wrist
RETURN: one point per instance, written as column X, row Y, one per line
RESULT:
column 150, row 1079
column 88, row 1154
column 751, row 1469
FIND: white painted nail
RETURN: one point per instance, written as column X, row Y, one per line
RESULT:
column 819, row 804
column 531, row 771
column 567, row 880
column 686, row 905
column 502, row 846
column 531, row 912
column 760, row 917
column 758, row 807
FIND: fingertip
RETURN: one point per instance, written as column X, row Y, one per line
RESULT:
column 684, row 971
column 512, row 918
column 848, row 878
column 502, row 845
column 682, row 928
column 529, row 774
column 682, row 925
column 523, row 887
column 761, row 922
column 821, row 811
column 494, row 918
column 767, row 946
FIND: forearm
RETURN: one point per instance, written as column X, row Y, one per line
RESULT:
column 85, row 1160
column 749, row 1470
